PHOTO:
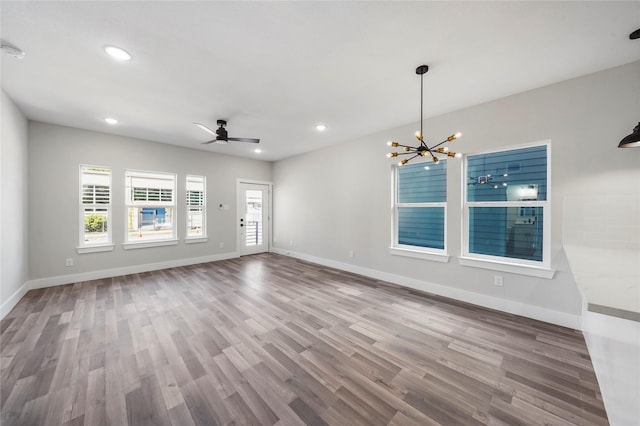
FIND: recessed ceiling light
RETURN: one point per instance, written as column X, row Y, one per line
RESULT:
column 117, row 53
column 321, row 127
column 257, row 150
column 111, row 120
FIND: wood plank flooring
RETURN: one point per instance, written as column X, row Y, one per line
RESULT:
column 271, row 340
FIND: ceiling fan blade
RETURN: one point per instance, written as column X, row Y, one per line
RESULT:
column 244, row 140
column 208, row 142
column 205, row 128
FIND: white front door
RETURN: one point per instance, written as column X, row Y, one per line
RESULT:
column 253, row 218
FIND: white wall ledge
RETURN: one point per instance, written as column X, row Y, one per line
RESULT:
column 147, row 244
column 196, row 240
column 95, row 249
column 608, row 279
column 532, row 271
column 419, row 254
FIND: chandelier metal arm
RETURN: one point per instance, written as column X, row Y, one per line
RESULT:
column 444, row 141
column 423, row 148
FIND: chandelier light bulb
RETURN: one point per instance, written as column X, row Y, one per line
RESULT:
column 458, row 155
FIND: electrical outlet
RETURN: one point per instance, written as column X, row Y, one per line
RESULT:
column 221, row 244
column 498, row 280
column 69, row 262
column 350, row 253
column 290, row 243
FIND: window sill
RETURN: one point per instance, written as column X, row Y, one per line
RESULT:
column 95, row 249
column 532, row 271
column 418, row 254
column 147, row 244
column 195, row 240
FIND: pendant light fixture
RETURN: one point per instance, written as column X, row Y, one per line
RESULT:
column 631, row 141
column 423, row 150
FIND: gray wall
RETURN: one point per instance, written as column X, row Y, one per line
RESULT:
column 55, row 153
column 338, row 199
column 13, row 203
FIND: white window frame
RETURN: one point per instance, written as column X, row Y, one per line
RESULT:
column 426, row 253
column 130, row 203
column 199, row 238
column 540, row 269
column 83, row 247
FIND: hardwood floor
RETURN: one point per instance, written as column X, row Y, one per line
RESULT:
column 268, row 339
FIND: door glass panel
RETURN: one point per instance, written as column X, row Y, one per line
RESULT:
column 253, row 218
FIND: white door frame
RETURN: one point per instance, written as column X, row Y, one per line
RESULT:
column 240, row 181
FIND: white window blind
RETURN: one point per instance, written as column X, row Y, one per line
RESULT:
column 95, row 206
column 150, row 206
column 196, row 206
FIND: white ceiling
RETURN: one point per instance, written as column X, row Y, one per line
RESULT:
column 276, row 69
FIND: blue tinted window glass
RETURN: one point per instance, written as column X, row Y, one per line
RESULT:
column 421, row 226
column 422, row 183
column 515, row 175
column 514, row 232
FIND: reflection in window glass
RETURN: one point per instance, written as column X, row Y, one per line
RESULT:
column 516, row 175
column 514, row 232
column 506, row 199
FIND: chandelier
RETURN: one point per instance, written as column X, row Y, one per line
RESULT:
column 423, row 150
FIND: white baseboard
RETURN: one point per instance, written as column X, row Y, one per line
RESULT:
column 504, row 305
column 104, row 273
column 126, row 270
column 10, row 303
column 510, row 306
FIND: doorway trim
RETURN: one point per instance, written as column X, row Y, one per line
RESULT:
column 269, row 184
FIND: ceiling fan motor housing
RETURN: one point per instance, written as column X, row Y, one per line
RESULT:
column 222, row 133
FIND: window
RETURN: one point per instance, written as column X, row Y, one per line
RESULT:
column 507, row 206
column 95, row 206
column 420, row 203
column 196, row 207
column 150, row 206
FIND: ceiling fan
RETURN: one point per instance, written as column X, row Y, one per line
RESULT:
column 221, row 134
